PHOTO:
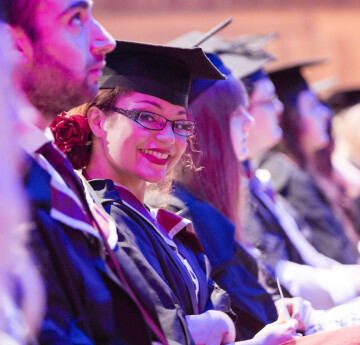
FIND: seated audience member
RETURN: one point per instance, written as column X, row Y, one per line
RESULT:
column 95, row 290
column 274, row 227
column 339, row 189
column 21, row 291
column 304, row 124
column 132, row 144
column 345, row 156
column 345, row 105
column 268, row 114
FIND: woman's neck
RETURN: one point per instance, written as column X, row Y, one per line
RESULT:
column 257, row 158
column 96, row 170
column 138, row 189
column 310, row 161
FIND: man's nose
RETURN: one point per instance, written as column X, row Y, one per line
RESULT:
column 102, row 42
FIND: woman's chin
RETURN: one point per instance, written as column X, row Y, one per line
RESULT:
column 154, row 178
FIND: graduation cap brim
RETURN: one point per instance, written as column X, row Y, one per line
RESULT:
column 198, row 86
column 298, row 65
column 240, row 64
column 289, row 80
column 210, row 45
column 343, row 99
column 325, row 84
column 161, row 71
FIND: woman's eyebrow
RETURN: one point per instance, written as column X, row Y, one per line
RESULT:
column 182, row 112
column 152, row 103
column 157, row 105
column 85, row 4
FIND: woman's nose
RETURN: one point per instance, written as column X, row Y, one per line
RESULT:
column 326, row 112
column 166, row 134
column 279, row 106
column 248, row 122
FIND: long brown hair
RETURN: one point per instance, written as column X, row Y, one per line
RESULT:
column 290, row 123
column 217, row 178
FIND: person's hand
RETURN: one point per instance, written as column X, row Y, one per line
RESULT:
column 300, row 310
column 276, row 333
column 211, row 328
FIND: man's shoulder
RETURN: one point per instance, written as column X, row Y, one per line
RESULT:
column 36, row 183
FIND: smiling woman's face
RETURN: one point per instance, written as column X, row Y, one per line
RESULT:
column 134, row 153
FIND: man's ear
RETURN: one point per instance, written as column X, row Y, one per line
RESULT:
column 23, row 45
column 96, row 119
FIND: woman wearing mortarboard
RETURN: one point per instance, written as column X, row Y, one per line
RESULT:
column 139, row 131
column 208, row 195
column 211, row 196
column 274, row 226
column 304, row 123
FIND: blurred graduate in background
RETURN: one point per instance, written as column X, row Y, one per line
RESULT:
column 21, row 290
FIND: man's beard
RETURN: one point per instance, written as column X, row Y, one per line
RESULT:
column 52, row 88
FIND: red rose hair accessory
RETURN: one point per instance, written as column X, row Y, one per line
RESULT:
column 70, row 131
column 73, row 137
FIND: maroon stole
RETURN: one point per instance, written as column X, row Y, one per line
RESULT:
column 166, row 221
column 94, row 217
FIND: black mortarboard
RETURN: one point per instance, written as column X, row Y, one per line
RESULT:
column 342, row 99
column 289, row 81
column 243, row 56
column 160, row 71
column 198, row 86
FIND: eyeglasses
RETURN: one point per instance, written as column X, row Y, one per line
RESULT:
column 156, row 122
column 266, row 102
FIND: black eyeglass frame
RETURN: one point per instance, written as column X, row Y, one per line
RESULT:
column 270, row 101
column 135, row 114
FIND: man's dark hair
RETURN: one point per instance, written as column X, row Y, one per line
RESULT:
column 20, row 13
column 4, row 8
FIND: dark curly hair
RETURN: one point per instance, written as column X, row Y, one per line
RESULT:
column 21, row 13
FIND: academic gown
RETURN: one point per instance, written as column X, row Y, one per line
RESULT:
column 86, row 303
column 142, row 233
column 266, row 233
column 233, row 269
column 297, row 187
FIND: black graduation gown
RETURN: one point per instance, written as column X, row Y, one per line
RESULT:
column 297, row 187
column 265, row 232
column 233, row 269
column 86, row 303
column 163, row 258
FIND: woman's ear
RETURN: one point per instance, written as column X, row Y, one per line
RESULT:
column 22, row 44
column 96, row 119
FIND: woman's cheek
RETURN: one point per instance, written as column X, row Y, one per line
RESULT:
column 180, row 150
column 182, row 145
